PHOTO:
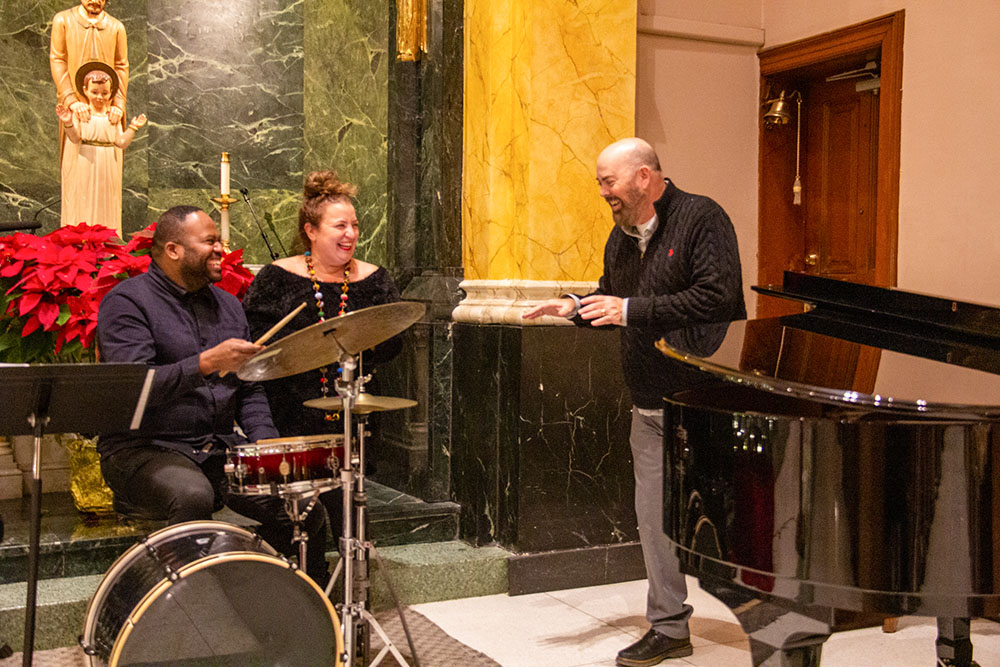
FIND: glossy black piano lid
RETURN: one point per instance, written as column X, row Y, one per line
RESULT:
column 864, row 346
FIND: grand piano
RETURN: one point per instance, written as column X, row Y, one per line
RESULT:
column 840, row 463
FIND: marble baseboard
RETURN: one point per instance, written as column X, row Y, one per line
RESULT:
column 574, row 568
column 504, row 301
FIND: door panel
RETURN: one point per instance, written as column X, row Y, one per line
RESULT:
column 839, row 184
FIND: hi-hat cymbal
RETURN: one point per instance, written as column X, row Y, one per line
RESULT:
column 365, row 403
column 324, row 343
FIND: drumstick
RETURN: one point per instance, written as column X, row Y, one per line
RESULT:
column 273, row 330
column 281, row 323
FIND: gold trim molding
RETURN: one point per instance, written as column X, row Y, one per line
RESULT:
column 411, row 29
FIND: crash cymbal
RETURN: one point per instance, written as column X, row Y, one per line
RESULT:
column 365, row 403
column 324, row 343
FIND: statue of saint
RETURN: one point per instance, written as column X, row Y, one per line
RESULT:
column 82, row 34
column 91, row 170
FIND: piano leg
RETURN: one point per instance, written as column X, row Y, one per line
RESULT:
column 954, row 647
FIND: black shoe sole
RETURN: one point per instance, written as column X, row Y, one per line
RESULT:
column 679, row 652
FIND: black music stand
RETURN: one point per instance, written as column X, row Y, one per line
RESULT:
column 64, row 398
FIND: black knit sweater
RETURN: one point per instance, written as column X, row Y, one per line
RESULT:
column 689, row 275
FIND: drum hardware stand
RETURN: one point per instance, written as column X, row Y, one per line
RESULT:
column 354, row 550
column 298, row 517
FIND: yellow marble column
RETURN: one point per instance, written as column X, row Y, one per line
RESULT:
column 548, row 84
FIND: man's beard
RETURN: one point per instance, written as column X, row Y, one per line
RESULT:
column 199, row 273
column 625, row 216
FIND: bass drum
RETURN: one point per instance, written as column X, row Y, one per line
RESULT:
column 209, row 593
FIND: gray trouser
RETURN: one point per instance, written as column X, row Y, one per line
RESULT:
column 665, row 608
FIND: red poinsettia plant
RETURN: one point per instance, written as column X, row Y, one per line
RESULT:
column 51, row 287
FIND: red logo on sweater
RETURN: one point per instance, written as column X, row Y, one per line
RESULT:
column 670, row 253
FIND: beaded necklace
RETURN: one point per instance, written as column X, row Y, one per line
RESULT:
column 318, row 295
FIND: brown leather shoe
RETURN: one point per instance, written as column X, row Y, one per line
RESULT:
column 653, row 649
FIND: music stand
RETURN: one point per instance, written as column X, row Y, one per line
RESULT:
column 64, row 398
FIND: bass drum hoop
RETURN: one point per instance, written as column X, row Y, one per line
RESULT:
column 206, row 562
column 136, row 551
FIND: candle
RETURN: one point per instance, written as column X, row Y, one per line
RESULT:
column 224, row 224
column 224, row 169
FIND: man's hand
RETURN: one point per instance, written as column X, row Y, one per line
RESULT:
column 602, row 309
column 81, row 109
column 555, row 307
column 114, row 115
column 227, row 356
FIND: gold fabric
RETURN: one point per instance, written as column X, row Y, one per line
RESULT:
column 90, row 493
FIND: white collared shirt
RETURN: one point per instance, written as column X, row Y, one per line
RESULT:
column 643, row 232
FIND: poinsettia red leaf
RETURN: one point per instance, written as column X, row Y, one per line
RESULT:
column 83, row 282
column 46, row 275
column 28, row 303
column 12, row 269
column 30, row 326
column 47, row 314
column 228, row 284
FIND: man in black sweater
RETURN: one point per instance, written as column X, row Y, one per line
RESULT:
column 670, row 262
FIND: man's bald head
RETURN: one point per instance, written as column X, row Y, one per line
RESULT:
column 632, row 152
column 628, row 172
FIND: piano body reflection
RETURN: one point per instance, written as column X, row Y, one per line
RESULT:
column 840, row 460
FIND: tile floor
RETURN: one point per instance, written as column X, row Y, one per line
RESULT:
column 586, row 627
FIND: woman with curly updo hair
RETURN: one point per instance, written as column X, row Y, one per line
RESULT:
column 332, row 281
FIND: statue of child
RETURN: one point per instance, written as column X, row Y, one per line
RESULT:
column 93, row 151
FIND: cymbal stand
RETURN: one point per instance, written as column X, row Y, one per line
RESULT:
column 355, row 549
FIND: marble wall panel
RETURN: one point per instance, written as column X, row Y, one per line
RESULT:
column 438, row 234
column 346, row 113
column 540, row 451
column 481, row 426
column 226, row 77
column 277, row 211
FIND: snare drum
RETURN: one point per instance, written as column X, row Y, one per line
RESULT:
column 208, row 593
column 283, row 466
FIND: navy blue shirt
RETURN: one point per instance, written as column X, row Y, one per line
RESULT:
column 150, row 318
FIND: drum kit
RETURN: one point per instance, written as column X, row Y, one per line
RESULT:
column 208, row 590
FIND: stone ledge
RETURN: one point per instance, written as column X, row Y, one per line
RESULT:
column 504, row 301
column 438, row 571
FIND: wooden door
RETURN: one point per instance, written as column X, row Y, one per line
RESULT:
column 839, row 180
column 847, row 224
